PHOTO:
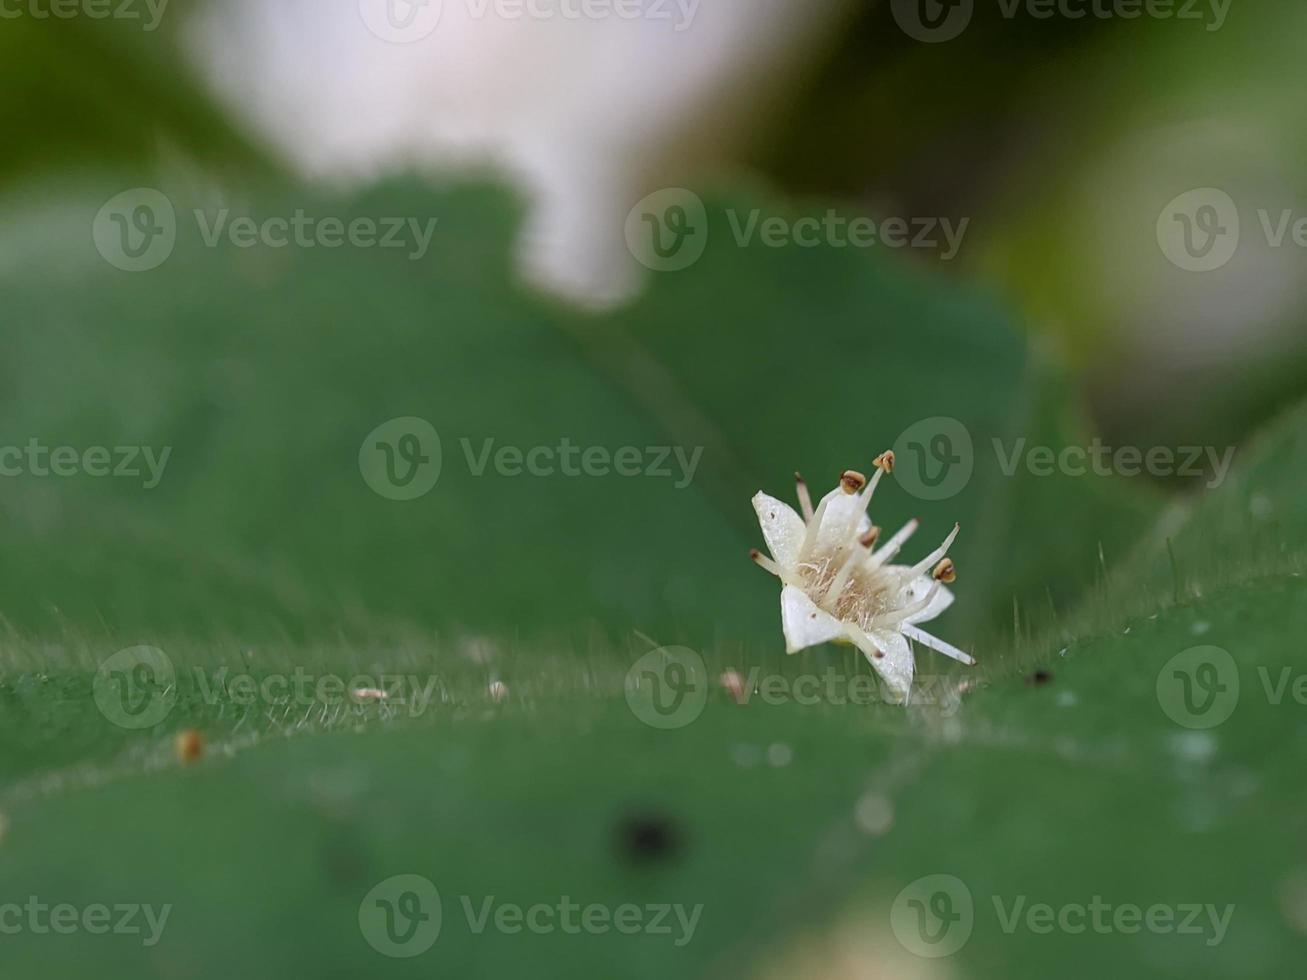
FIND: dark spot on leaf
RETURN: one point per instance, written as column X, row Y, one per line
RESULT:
column 643, row 838
column 1039, row 678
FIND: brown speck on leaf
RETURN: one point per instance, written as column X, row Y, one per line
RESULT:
column 1039, row 678
column 189, row 746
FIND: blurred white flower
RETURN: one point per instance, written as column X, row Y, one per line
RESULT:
column 587, row 113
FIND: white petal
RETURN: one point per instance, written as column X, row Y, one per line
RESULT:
column 896, row 666
column 782, row 529
column 841, row 521
column 804, row 624
column 917, row 589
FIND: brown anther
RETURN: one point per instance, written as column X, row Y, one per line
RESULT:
column 869, row 539
column 189, row 745
column 851, row 481
column 885, row 461
column 754, row 554
column 946, row 571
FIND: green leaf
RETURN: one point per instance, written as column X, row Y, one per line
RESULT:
column 265, row 378
column 266, row 368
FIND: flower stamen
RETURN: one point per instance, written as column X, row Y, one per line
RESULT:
column 920, row 567
column 893, row 545
column 805, row 498
column 765, row 563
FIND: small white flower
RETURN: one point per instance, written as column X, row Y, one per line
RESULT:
column 838, row 586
